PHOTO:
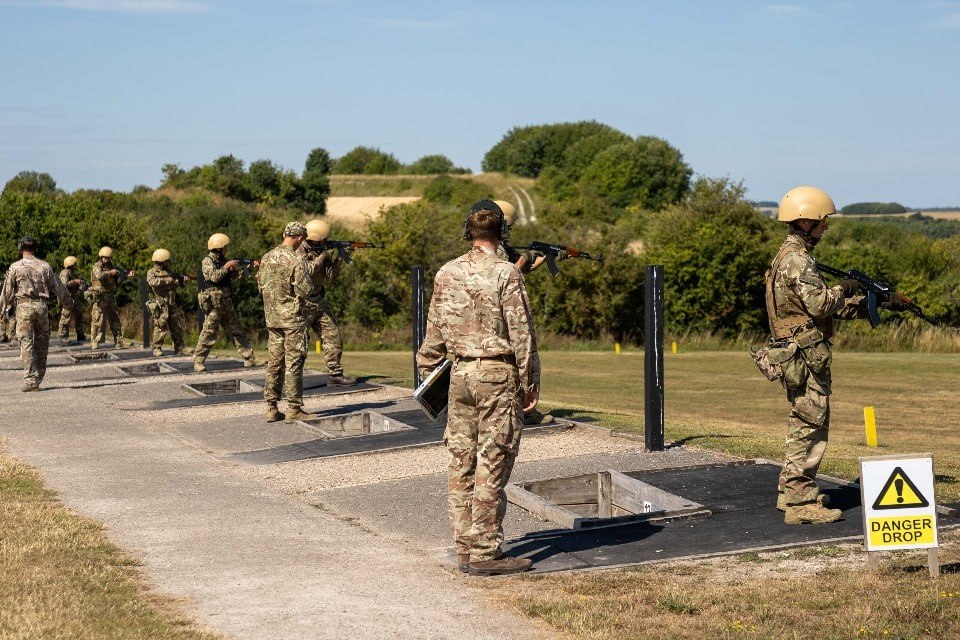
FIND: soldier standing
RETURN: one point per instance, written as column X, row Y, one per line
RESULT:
column 216, row 302
column 480, row 318
column 104, row 281
column 324, row 265
column 285, row 283
column 30, row 282
column 163, row 306
column 75, row 285
column 801, row 308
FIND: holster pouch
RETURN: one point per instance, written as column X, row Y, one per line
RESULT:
column 205, row 301
column 153, row 306
column 814, row 348
column 775, row 362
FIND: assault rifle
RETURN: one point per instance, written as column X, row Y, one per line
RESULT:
column 877, row 293
column 342, row 245
column 553, row 250
column 245, row 264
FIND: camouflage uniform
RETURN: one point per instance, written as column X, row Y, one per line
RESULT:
column 284, row 284
column 506, row 251
column 30, row 282
column 480, row 317
column 73, row 313
column 323, row 267
column 164, row 309
column 103, row 296
column 801, row 308
column 217, row 305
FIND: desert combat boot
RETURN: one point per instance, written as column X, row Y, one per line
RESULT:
column 274, row 414
column 812, row 513
column 822, row 499
column 296, row 413
column 499, row 566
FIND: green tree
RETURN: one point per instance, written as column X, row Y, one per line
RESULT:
column 366, row 160
column 318, row 162
column 646, row 173
column 264, row 180
column 526, row 151
column 433, row 164
column 32, row 182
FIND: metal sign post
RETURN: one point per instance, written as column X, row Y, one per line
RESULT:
column 419, row 318
column 653, row 359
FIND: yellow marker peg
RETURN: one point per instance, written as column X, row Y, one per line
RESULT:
column 616, row 348
column 318, row 346
column 675, row 347
column 870, row 421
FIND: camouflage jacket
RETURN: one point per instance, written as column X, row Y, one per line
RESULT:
column 164, row 283
column 480, row 309
column 284, row 284
column 322, row 266
column 511, row 254
column 100, row 280
column 33, row 279
column 214, row 275
column 797, row 293
column 68, row 274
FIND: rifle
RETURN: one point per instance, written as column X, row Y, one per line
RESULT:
column 342, row 245
column 552, row 250
column 877, row 292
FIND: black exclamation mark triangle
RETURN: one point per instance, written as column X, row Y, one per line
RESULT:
column 892, row 494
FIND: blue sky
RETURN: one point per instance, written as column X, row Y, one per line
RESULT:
column 860, row 98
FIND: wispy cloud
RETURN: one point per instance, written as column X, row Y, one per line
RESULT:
column 414, row 25
column 784, row 8
column 116, row 6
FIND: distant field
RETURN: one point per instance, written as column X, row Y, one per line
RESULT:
column 356, row 211
column 407, row 185
column 942, row 215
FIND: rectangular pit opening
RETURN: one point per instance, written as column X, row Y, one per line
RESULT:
column 150, row 369
column 221, row 387
column 600, row 499
column 351, row 425
column 91, row 357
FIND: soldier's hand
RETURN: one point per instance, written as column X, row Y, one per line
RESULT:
column 562, row 255
column 255, row 264
column 850, row 287
column 76, row 282
column 896, row 302
column 113, row 272
column 232, row 265
column 530, row 400
column 130, row 274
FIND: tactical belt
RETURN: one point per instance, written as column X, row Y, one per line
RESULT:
column 505, row 359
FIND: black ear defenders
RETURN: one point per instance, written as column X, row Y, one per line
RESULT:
column 486, row 205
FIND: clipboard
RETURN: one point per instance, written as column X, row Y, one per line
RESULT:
column 433, row 393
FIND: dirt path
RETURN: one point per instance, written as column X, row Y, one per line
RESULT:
column 247, row 560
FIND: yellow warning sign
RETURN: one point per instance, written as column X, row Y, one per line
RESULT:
column 898, row 530
column 899, row 492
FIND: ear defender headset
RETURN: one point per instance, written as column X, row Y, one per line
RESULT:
column 485, row 205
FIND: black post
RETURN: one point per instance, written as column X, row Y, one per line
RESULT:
column 147, row 318
column 653, row 360
column 201, row 285
column 419, row 318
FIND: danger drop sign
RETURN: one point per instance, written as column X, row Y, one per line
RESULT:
column 899, row 507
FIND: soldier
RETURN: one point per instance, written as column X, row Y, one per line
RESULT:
column 216, row 303
column 801, row 308
column 75, row 285
column 163, row 305
column 526, row 261
column 324, row 265
column 30, row 282
column 104, row 281
column 285, row 283
column 480, row 318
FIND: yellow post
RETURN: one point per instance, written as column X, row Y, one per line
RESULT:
column 318, row 346
column 675, row 347
column 870, row 420
column 616, row 348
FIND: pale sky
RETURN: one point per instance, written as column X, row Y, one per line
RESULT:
column 860, row 98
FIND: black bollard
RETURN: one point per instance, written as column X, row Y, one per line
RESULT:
column 147, row 318
column 653, row 360
column 419, row 318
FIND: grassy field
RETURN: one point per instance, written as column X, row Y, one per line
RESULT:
column 61, row 578
column 719, row 401
column 408, row 185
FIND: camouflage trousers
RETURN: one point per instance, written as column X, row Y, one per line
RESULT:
column 103, row 311
column 166, row 319
column 73, row 314
column 286, row 352
column 33, row 331
column 320, row 319
column 807, row 431
column 222, row 313
column 484, row 423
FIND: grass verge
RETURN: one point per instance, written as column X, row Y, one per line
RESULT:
column 61, row 578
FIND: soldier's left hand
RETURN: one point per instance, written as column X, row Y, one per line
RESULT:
column 530, row 400
column 562, row 255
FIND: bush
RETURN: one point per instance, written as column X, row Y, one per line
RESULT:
column 458, row 193
column 526, row 151
column 866, row 208
column 646, row 173
column 367, row 160
column 433, row 165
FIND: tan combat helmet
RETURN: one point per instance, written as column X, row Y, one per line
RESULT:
column 317, row 230
column 218, row 241
column 105, row 252
column 69, row 261
column 160, row 255
column 806, row 203
column 509, row 211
